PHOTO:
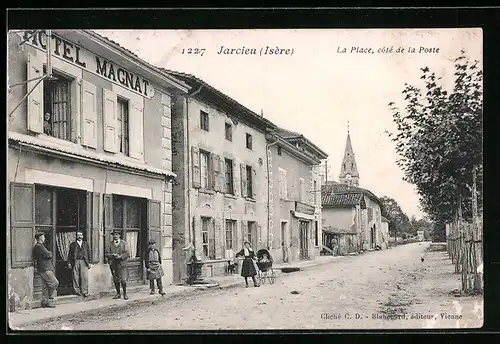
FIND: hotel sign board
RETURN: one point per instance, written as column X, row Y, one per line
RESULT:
column 83, row 58
column 304, row 208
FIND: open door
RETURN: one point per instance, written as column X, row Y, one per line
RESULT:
column 153, row 228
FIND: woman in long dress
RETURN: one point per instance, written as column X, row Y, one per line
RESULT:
column 248, row 269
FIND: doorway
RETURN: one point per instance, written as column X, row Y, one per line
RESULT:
column 304, row 240
column 59, row 213
column 284, row 246
column 129, row 218
column 372, row 237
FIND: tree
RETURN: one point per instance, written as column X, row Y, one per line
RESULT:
column 439, row 141
column 398, row 220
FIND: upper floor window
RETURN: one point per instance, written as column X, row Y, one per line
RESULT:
column 315, row 192
column 283, row 184
column 123, row 125
column 204, row 169
column 250, row 185
column 249, row 141
column 229, row 181
column 204, row 124
column 279, row 151
column 370, row 214
column 57, row 107
column 229, row 132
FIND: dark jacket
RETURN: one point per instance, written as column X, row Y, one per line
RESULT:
column 146, row 260
column 121, row 250
column 251, row 254
column 73, row 249
column 43, row 258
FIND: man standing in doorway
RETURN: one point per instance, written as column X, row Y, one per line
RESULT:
column 79, row 261
column 118, row 254
column 46, row 269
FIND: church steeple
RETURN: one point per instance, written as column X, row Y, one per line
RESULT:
column 349, row 171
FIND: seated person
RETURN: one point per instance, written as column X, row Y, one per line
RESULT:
column 264, row 259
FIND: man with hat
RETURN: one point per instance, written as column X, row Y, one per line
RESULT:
column 154, row 269
column 117, row 254
column 46, row 269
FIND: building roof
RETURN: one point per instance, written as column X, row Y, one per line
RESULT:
column 342, row 200
column 292, row 137
column 332, row 230
column 79, row 151
column 286, row 134
column 332, row 188
column 231, row 106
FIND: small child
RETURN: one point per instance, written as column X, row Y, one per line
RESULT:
column 154, row 269
column 265, row 258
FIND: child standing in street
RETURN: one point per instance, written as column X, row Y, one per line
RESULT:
column 154, row 269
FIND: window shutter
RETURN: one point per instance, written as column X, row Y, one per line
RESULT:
column 154, row 223
column 96, row 226
column 108, row 222
column 301, row 189
column 218, row 242
column 244, row 236
column 222, row 174
column 35, row 99
column 110, row 121
column 216, row 181
column 89, row 112
column 136, row 129
column 254, row 183
column 235, row 180
column 22, row 219
column 243, row 174
column 195, row 157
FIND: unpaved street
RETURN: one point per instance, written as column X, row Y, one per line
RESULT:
column 376, row 290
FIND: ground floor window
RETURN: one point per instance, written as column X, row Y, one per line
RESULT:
column 230, row 230
column 252, row 233
column 208, row 241
column 127, row 218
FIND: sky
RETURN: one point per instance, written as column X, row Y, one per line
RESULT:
column 318, row 89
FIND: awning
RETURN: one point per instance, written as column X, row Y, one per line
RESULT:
column 77, row 151
column 303, row 216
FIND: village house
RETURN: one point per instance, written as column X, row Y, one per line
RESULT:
column 89, row 149
column 351, row 215
column 220, row 199
column 294, row 196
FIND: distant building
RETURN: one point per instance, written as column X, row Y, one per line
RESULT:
column 349, row 208
column 294, row 196
column 420, row 235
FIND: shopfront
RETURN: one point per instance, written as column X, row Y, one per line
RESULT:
column 90, row 150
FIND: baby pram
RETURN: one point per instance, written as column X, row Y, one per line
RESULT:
column 265, row 267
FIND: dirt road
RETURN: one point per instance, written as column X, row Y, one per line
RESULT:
column 376, row 290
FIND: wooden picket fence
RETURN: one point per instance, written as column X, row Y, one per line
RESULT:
column 465, row 248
